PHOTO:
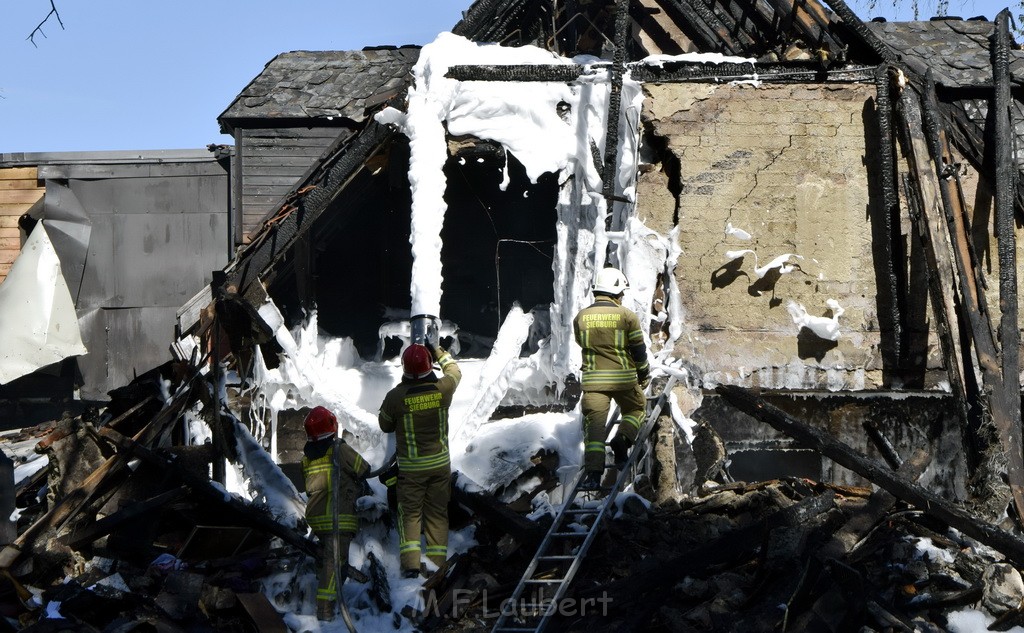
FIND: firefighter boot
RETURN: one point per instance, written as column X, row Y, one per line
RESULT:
column 324, row 611
column 620, row 449
column 591, row 480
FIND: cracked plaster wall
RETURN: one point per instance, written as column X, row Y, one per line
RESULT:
column 786, row 163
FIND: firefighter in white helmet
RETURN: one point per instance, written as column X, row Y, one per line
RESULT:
column 614, row 368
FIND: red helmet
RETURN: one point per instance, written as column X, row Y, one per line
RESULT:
column 320, row 424
column 417, row 361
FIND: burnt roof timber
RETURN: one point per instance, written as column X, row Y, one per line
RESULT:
column 857, row 25
column 489, row 20
column 715, row 24
column 705, row 34
column 518, row 72
column 731, row 24
column 793, row 18
column 655, row 24
column 782, row 72
column 672, row 72
column 759, row 14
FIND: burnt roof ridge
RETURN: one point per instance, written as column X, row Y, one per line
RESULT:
column 390, row 47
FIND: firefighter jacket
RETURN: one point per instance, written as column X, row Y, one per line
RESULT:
column 317, row 468
column 614, row 354
column 417, row 412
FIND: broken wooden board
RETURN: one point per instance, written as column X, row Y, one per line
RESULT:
column 1009, row 545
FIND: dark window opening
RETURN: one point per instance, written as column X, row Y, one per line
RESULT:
column 498, row 247
column 498, row 251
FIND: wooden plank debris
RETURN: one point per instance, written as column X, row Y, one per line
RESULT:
column 261, row 614
column 1006, row 393
column 206, row 489
column 930, row 221
column 1008, row 544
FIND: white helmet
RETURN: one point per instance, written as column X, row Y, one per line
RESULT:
column 610, row 281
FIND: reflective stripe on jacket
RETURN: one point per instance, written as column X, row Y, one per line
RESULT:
column 319, row 481
column 417, row 412
column 613, row 346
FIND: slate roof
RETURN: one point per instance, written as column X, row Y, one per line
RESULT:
column 957, row 51
column 320, row 84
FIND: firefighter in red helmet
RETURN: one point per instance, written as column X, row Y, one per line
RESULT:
column 417, row 412
column 333, row 473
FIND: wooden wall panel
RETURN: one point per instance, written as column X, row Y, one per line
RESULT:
column 273, row 160
column 20, row 190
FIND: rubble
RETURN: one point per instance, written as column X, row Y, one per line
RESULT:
column 129, row 524
column 142, row 538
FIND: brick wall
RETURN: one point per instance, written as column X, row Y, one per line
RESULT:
column 791, row 166
column 19, row 191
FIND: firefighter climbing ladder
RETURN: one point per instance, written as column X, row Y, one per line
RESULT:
column 541, row 584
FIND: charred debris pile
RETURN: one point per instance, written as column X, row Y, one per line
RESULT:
column 126, row 530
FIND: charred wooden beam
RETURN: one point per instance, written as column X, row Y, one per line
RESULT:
column 611, row 136
column 94, row 485
column 850, row 19
column 204, row 488
column 879, row 504
column 714, row 21
column 942, row 279
column 670, row 72
column 261, row 615
column 106, row 525
column 931, row 504
column 891, row 203
column 780, row 72
column 1007, row 401
column 478, row 17
column 721, row 13
column 816, row 24
column 1002, row 394
column 975, row 307
column 755, row 17
column 499, row 517
column 518, row 72
column 882, row 443
column 732, row 547
column 707, row 37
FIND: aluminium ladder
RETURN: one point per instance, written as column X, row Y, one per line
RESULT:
column 542, row 574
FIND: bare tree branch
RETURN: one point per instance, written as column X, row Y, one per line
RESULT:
column 39, row 28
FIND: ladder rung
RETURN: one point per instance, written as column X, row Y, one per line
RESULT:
column 578, row 511
column 534, row 581
column 557, row 557
column 540, row 607
column 568, row 534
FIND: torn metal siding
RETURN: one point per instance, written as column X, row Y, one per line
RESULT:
column 136, row 237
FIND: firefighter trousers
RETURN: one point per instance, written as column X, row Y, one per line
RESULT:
column 327, row 585
column 423, row 509
column 595, row 406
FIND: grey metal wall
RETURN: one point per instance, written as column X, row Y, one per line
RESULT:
column 136, row 241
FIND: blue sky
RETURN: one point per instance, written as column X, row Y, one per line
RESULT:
column 149, row 74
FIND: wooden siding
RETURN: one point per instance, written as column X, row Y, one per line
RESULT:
column 20, row 190
column 273, row 160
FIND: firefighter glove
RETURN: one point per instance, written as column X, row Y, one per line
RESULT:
column 643, row 376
